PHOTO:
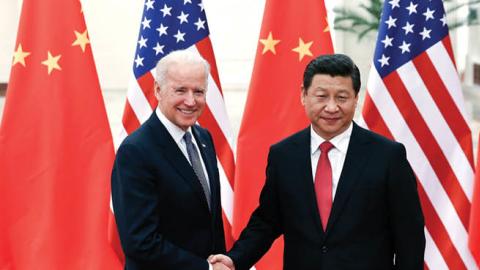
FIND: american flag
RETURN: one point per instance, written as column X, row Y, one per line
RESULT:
column 172, row 25
column 414, row 96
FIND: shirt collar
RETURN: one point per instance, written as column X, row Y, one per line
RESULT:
column 340, row 142
column 175, row 131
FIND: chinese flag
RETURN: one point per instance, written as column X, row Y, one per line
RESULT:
column 474, row 232
column 293, row 33
column 56, row 148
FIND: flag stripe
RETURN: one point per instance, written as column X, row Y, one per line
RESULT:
column 138, row 102
column 428, row 144
column 448, row 47
column 146, row 83
column 445, row 68
column 130, row 122
column 204, row 47
column 374, row 120
column 439, row 234
column 433, row 257
column 227, row 194
column 444, row 102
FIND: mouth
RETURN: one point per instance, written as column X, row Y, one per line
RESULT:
column 186, row 111
column 330, row 119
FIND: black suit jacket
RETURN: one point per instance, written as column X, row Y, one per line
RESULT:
column 160, row 208
column 376, row 211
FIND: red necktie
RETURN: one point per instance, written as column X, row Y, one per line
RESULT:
column 323, row 183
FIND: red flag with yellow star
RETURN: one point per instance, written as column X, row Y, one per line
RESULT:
column 56, row 148
column 293, row 32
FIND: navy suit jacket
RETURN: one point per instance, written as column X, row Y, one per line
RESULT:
column 375, row 216
column 160, row 208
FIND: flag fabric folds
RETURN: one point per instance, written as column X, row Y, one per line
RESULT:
column 292, row 34
column 414, row 97
column 172, row 25
column 56, row 149
column 474, row 233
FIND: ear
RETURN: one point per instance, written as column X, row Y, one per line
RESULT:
column 303, row 93
column 156, row 90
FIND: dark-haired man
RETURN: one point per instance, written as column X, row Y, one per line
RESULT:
column 343, row 197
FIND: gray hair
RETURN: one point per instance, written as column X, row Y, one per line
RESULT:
column 180, row 56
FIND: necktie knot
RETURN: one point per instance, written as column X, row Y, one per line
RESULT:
column 187, row 137
column 326, row 146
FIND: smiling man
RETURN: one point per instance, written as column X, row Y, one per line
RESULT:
column 343, row 197
column 165, row 181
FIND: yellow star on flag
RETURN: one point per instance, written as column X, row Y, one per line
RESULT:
column 269, row 44
column 82, row 40
column 303, row 49
column 327, row 28
column 52, row 62
column 19, row 55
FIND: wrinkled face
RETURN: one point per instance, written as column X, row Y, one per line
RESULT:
column 182, row 98
column 329, row 104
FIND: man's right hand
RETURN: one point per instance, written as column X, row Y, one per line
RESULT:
column 221, row 259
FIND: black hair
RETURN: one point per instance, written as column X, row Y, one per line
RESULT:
column 333, row 65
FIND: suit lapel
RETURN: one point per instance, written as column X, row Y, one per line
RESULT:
column 357, row 155
column 175, row 157
column 306, row 184
column 208, row 157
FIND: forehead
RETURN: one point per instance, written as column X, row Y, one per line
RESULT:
column 327, row 82
column 186, row 72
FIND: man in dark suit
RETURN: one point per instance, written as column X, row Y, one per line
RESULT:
column 165, row 180
column 343, row 197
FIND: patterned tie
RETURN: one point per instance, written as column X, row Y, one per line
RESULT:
column 197, row 165
column 323, row 183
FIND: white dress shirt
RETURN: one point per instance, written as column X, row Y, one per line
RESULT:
column 336, row 155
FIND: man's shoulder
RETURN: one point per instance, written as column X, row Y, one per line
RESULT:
column 372, row 135
column 377, row 141
column 293, row 140
column 201, row 130
column 141, row 135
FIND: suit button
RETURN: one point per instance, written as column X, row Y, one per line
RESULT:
column 324, row 249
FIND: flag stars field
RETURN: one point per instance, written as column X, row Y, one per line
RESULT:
column 52, row 62
column 19, row 55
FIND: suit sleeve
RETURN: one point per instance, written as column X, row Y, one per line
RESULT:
column 135, row 204
column 406, row 216
column 263, row 227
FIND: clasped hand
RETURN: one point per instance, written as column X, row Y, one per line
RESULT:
column 221, row 262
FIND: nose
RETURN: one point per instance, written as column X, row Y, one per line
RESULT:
column 331, row 105
column 189, row 99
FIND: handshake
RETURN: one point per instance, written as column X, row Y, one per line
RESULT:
column 221, row 262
